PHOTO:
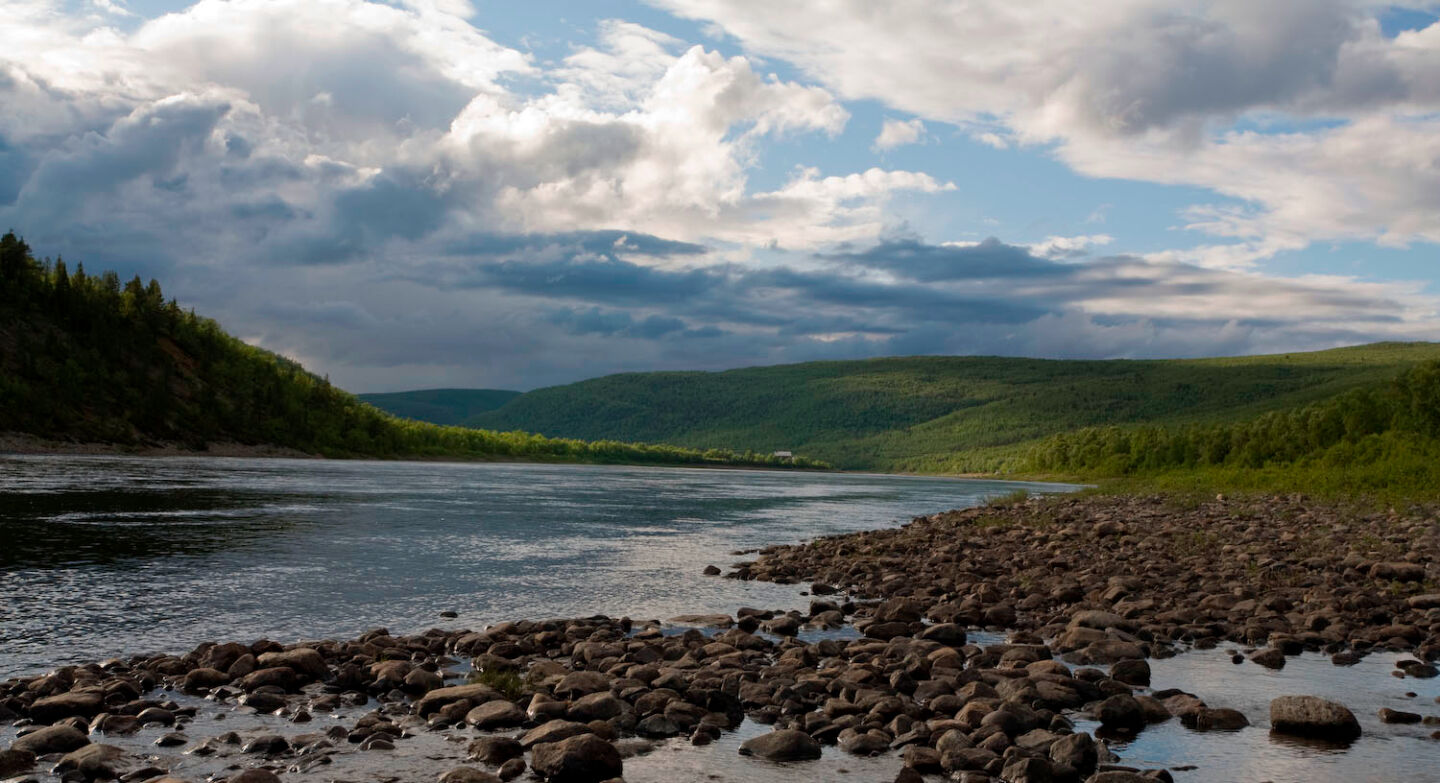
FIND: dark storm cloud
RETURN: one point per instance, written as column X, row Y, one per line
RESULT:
column 916, row 260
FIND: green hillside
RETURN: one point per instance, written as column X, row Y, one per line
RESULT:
column 1380, row 440
column 84, row 358
column 941, row 414
column 440, row 406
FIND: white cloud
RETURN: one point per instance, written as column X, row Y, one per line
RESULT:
column 1152, row 90
column 898, row 133
column 1056, row 247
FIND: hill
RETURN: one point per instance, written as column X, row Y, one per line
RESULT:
column 86, row 359
column 941, row 414
column 439, row 406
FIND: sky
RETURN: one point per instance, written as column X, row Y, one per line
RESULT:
column 428, row 193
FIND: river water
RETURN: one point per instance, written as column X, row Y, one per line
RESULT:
column 109, row 556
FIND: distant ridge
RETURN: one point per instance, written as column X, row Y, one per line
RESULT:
column 937, row 413
column 440, row 406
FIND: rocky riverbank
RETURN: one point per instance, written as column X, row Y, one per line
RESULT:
column 889, row 659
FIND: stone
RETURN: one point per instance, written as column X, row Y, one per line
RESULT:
column 103, row 762
column 52, row 739
column 1027, row 770
column 512, row 769
column 84, row 704
column 1388, row 715
column 596, row 706
column 204, row 679
column 1311, row 716
column 498, row 714
column 1077, row 751
column 1270, row 658
column 554, row 731
column 267, row 744
column 13, row 762
column 434, row 700
column 1218, row 719
column 255, row 776
column 301, row 660
column 782, row 745
column 468, row 775
column 495, row 750
column 1399, row 571
column 584, row 758
column 1132, row 671
column 577, row 684
column 1120, row 711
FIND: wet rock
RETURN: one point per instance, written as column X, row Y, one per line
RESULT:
column 552, row 732
column 583, row 683
column 1076, row 751
column 204, row 679
column 301, row 660
column 52, row 739
column 171, row 740
column 255, row 776
column 498, row 714
column 434, row 700
column 1270, row 658
column 495, row 750
column 468, row 775
column 94, row 762
column 267, row 745
column 13, row 762
column 921, row 759
column 1388, row 715
column 1132, row 671
column 782, row 745
column 1119, row 776
column 584, row 758
column 264, row 702
column 1120, row 711
column 1220, row 719
column 1311, row 716
column 512, row 769
column 280, row 677
column 84, row 704
column 1027, row 770
column 711, row 570
column 596, row 706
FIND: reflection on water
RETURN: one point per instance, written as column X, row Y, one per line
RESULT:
column 103, row 556
column 1383, row 752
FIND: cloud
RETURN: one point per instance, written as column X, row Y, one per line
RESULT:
column 1321, row 126
column 385, row 191
column 898, row 133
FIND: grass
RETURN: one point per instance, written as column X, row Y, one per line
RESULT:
column 507, row 683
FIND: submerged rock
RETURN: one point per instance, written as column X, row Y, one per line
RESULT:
column 782, row 745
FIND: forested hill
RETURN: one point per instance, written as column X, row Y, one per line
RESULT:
column 941, row 414
column 84, row 358
column 441, row 406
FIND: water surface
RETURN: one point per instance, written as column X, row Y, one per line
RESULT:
column 107, row 556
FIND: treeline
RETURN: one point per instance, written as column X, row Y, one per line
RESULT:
column 1386, row 437
column 87, row 358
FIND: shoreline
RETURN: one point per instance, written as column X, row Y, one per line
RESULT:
column 909, row 683
column 19, row 444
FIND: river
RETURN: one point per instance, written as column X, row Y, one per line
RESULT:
column 105, row 556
